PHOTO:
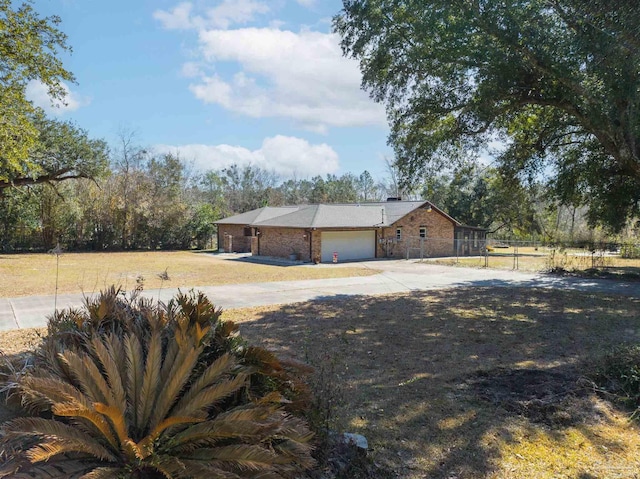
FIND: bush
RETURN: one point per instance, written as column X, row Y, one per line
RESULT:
column 618, row 374
column 125, row 388
column 630, row 251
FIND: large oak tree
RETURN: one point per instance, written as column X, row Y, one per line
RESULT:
column 557, row 80
column 34, row 149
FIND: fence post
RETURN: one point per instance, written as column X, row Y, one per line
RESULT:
column 486, row 254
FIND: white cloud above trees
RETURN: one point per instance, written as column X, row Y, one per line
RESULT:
column 270, row 72
column 38, row 93
column 284, row 155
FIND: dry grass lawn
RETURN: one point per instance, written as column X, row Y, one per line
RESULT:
column 465, row 383
column 453, row 384
column 35, row 274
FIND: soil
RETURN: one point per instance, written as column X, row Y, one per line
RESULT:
column 545, row 396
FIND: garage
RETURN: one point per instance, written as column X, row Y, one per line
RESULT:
column 349, row 245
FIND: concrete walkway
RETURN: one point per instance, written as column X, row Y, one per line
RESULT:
column 397, row 276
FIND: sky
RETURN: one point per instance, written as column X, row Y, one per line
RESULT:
column 220, row 81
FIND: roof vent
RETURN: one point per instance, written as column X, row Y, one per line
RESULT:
column 394, row 198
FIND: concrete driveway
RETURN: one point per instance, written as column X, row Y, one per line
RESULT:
column 396, row 276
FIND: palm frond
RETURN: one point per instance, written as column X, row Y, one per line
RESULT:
column 71, row 468
column 102, row 473
column 223, row 365
column 191, row 469
column 42, row 393
column 114, row 377
column 210, row 432
column 150, row 381
column 297, row 452
column 207, row 397
column 145, row 444
column 245, row 456
column 134, row 361
column 55, row 432
column 97, row 420
column 116, row 416
column 89, row 378
column 295, row 429
column 177, row 380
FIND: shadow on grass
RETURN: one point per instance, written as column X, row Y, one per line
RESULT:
column 410, row 365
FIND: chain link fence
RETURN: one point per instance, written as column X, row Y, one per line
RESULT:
column 524, row 255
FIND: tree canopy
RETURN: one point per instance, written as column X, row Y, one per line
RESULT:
column 558, row 81
column 29, row 49
column 60, row 151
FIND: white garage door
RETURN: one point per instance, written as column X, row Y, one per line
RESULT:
column 348, row 244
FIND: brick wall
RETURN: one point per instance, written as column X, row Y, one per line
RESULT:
column 233, row 240
column 281, row 242
column 439, row 240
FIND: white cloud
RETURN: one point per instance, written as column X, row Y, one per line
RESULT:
column 177, row 19
column 285, row 155
column 302, row 76
column 270, row 72
column 191, row 70
column 223, row 15
column 234, row 11
column 38, row 93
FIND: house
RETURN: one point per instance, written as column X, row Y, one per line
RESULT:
column 397, row 229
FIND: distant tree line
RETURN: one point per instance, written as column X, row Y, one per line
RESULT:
column 142, row 200
column 137, row 200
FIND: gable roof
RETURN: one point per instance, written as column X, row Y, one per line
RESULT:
column 352, row 215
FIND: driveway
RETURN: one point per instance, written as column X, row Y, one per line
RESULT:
column 397, row 276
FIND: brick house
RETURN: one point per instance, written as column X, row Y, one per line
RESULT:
column 388, row 229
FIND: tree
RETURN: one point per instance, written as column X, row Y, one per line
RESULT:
column 557, row 80
column 29, row 48
column 61, row 152
column 366, row 187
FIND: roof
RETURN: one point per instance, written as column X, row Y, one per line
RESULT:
column 352, row 215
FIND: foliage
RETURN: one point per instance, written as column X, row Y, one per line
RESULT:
column 29, row 49
column 61, row 152
column 128, row 388
column 149, row 201
column 557, row 81
column 482, row 197
column 618, row 373
column 630, row 251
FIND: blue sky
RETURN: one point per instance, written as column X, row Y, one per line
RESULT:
column 221, row 81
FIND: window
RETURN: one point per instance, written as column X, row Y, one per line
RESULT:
column 423, row 232
column 399, row 234
column 475, row 240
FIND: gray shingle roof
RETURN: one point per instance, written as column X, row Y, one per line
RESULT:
column 364, row 215
column 261, row 214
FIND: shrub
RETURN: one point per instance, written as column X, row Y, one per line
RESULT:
column 618, row 374
column 130, row 389
column 630, row 251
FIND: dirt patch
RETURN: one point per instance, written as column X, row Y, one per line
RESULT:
column 545, row 396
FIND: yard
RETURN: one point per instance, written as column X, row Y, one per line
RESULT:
column 463, row 383
column 35, row 274
column 544, row 259
column 469, row 383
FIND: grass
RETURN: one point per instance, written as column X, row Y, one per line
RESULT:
column 466, row 383
column 410, row 365
column 35, row 274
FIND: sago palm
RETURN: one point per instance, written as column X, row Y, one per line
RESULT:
column 137, row 401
